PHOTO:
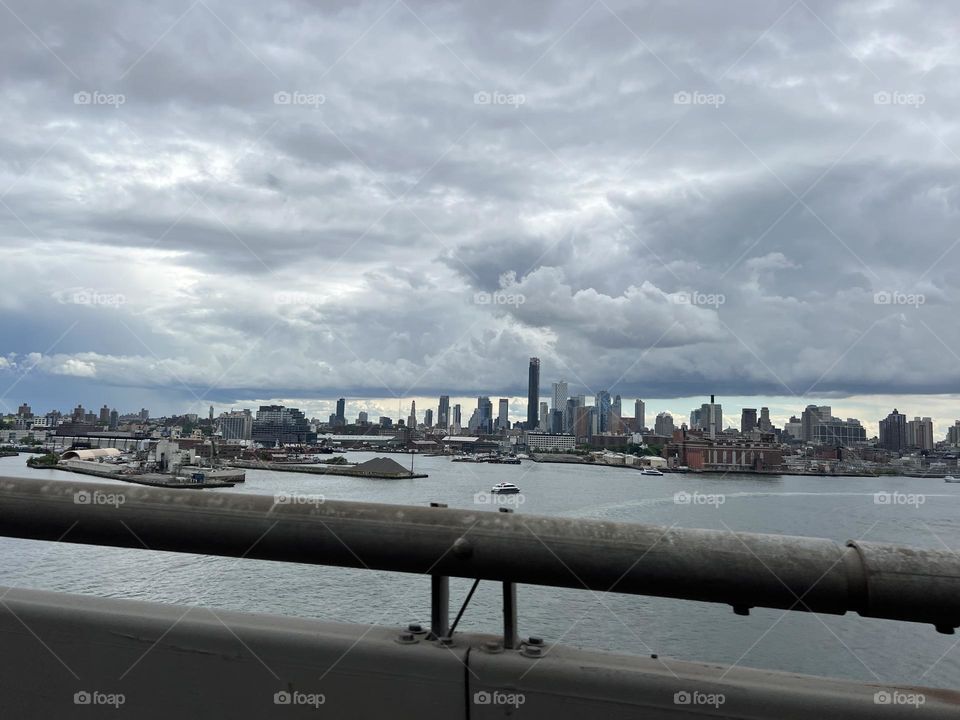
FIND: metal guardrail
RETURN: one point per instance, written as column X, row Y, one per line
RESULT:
column 743, row 570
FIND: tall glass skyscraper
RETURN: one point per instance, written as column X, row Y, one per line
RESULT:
column 533, row 394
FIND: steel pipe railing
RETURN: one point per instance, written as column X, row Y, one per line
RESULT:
column 743, row 570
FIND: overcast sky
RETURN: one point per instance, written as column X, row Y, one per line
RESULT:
column 227, row 202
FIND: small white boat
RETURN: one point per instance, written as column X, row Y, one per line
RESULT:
column 951, row 478
column 504, row 488
column 650, row 471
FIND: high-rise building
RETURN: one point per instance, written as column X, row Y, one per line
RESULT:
column 105, row 414
column 279, row 425
column 920, row 433
column 639, row 415
column 616, row 415
column 144, row 415
column 794, row 428
column 748, row 420
column 664, row 425
column 603, row 404
column 711, row 418
column 560, row 395
column 839, row 433
column 556, row 422
column 764, row 422
column 953, row 433
column 503, row 416
column 412, row 418
column 79, row 414
column 25, row 411
column 443, row 412
column 363, row 418
column 114, row 419
column 533, row 393
column 341, row 411
column 696, row 421
column 428, row 417
column 236, row 425
column 893, row 431
column 484, row 415
column 544, row 416
column 583, row 421
column 570, row 414
column 456, row 419
column 386, row 422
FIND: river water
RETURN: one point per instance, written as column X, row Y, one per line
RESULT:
column 838, row 508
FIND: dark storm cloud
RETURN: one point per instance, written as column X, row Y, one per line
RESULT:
column 751, row 197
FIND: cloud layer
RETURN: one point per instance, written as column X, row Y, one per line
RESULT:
column 403, row 198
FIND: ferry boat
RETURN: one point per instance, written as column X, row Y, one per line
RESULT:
column 951, row 478
column 650, row 471
column 504, row 488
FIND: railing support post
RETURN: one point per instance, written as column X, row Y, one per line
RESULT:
column 509, row 615
column 439, row 606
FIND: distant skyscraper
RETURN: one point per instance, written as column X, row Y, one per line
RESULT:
column 533, row 393
column 616, row 415
column 144, row 414
column 443, row 412
column 456, row 419
column 342, row 411
column 211, row 415
column 920, row 433
column 639, row 415
column 544, row 416
column 664, row 424
column 602, row 403
column 570, row 414
column 236, row 425
column 560, row 395
column 485, row 415
column 893, row 431
column 412, row 419
column 503, row 416
column 765, row 424
column 362, row 418
column 105, row 414
column 748, row 420
column 428, row 418
column 114, row 419
column 711, row 418
column 24, row 411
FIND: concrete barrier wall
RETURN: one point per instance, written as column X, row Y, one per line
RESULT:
column 66, row 656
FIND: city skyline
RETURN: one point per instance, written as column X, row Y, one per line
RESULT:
column 780, row 408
